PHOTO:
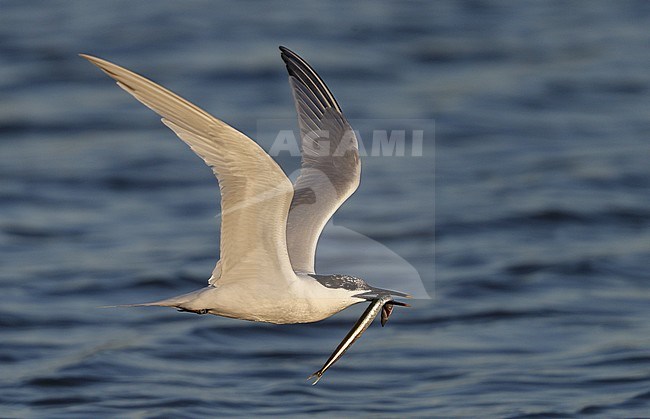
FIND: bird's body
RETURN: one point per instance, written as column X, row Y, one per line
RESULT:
column 269, row 226
column 306, row 300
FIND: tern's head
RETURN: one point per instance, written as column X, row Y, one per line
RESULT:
column 340, row 281
column 352, row 283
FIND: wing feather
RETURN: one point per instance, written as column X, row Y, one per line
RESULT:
column 330, row 170
column 255, row 193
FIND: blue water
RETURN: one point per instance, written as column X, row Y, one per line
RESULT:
column 536, row 256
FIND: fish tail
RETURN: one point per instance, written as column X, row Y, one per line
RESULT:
column 318, row 374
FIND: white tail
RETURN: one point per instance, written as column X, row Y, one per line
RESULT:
column 183, row 301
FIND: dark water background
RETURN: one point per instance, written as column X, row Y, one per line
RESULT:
column 541, row 295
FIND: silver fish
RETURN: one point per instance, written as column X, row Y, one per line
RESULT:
column 383, row 304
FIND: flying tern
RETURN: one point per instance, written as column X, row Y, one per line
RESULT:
column 269, row 226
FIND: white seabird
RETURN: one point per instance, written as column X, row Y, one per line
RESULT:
column 269, row 227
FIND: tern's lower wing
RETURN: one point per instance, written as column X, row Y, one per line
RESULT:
column 355, row 333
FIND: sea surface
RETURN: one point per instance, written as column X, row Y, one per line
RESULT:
column 525, row 217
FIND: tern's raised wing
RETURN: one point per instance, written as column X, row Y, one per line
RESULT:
column 255, row 192
column 330, row 169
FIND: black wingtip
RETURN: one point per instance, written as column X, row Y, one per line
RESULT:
column 287, row 56
column 301, row 71
column 286, row 50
